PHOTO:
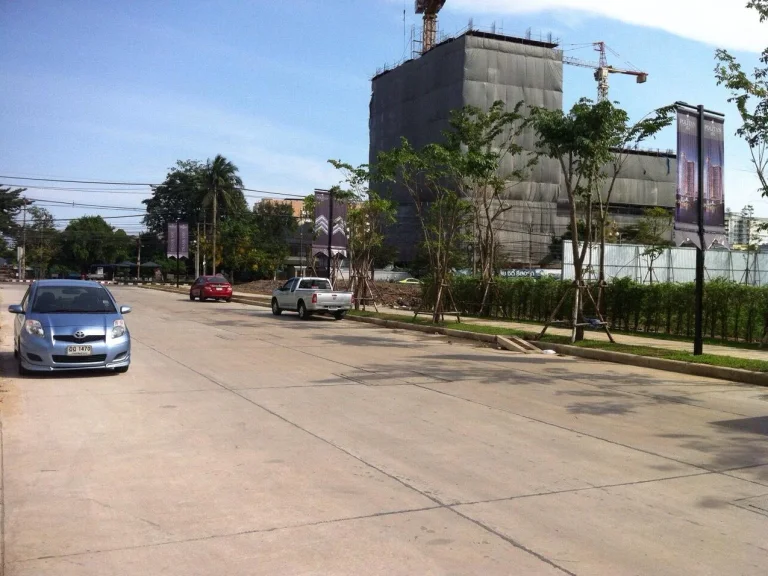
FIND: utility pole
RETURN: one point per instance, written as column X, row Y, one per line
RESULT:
column 23, row 259
column 197, row 252
column 205, row 256
column 215, row 224
column 138, row 256
column 301, row 244
column 40, row 255
column 177, row 253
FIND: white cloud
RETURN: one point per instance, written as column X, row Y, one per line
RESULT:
column 723, row 23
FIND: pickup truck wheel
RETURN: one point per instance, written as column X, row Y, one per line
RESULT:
column 339, row 315
column 276, row 307
column 302, row 310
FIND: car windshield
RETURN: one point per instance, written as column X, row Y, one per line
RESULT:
column 73, row 300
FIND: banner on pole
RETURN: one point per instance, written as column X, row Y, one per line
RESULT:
column 687, row 197
column 338, row 226
column 177, row 240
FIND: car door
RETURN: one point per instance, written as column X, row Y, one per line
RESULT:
column 285, row 295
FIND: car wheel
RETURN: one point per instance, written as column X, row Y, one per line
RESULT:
column 339, row 315
column 192, row 297
column 276, row 307
column 122, row 369
column 227, row 299
column 303, row 314
column 203, row 298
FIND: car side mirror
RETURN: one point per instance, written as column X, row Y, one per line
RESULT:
column 125, row 309
column 16, row 309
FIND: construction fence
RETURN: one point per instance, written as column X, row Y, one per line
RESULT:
column 672, row 264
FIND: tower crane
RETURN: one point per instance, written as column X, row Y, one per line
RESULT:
column 603, row 70
column 429, row 8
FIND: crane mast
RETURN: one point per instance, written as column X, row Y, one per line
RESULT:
column 430, row 9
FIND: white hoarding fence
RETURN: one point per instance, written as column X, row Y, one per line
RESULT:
column 672, row 264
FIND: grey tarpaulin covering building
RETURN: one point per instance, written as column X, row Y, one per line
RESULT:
column 414, row 100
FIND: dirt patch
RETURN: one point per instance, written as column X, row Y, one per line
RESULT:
column 386, row 293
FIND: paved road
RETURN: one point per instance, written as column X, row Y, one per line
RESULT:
column 243, row 444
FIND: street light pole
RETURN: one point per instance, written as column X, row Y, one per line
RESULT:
column 698, row 339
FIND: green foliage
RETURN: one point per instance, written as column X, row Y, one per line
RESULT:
column 90, row 240
column 587, row 141
column 42, row 239
column 651, row 231
column 478, row 145
column 749, row 91
column 274, row 223
column 222, row 191
column 179, row 197
column 222, row 186
column 256, row 243
column 11, row 203
column 732, row 312
column 444, row 215
column 368, row 215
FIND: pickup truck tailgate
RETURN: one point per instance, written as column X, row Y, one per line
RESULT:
column 334, row 300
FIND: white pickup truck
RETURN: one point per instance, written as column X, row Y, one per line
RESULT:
column 309, row 296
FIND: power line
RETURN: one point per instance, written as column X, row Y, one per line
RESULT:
column 153, row 185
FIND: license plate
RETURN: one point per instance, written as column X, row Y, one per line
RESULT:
column 79, row 350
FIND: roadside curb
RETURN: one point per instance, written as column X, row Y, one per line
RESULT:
column 703, row 370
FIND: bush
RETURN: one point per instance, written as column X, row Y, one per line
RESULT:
column 731, row 311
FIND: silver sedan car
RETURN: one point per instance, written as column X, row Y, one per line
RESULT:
column 70, row 325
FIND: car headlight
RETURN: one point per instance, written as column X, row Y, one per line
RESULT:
column 118, row 329
column 34, row 328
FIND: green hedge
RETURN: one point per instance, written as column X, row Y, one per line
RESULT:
column 731, row 311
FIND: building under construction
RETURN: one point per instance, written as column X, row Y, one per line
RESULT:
column 414, row 100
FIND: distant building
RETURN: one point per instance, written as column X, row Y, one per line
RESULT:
column 414, row 100
column 744, row 228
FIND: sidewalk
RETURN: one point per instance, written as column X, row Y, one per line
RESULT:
column 589, row 334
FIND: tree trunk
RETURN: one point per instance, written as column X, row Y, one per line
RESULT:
column 438, row 299
column 575, row 315
column 601, row 273
column 215, row 229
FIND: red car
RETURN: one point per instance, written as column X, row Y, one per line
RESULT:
column 213, row 287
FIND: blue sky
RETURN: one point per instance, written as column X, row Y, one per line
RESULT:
column 120, row 90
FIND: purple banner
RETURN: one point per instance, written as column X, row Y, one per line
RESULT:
column 338, row 226
column 177, row 243
column 687, row 197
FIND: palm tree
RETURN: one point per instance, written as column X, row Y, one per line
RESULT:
column 220, row 183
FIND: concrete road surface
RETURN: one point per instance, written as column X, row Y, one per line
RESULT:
column 245, row 444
